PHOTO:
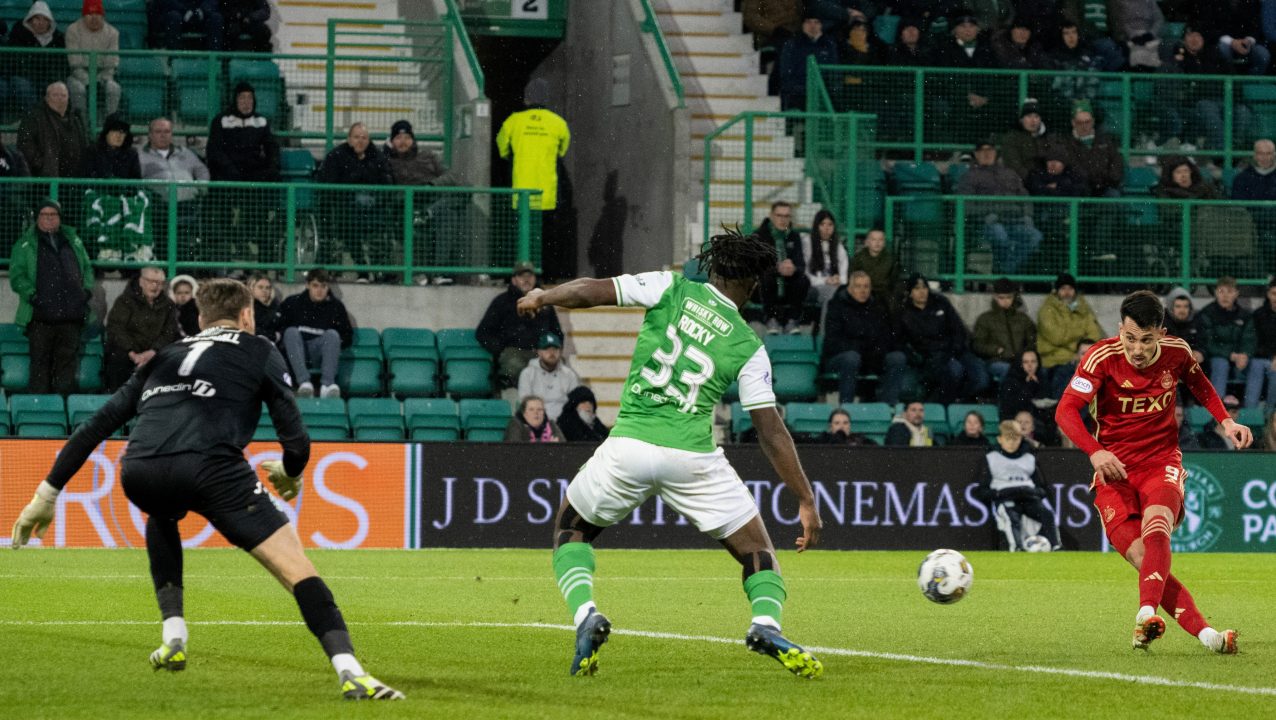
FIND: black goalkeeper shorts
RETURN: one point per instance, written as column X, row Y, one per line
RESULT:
column 224, row 490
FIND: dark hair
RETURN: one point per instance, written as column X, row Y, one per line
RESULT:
column 816, row 265
column 839, row 411
column 319, row 275
column 781, row 203
column 222, row 299
column 1144, row 308
column 977, row 415
column 733, row 256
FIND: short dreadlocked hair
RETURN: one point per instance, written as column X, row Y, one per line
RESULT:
column 735, row 256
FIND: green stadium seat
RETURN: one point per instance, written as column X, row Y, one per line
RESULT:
column 412, row 361
column 193, row 103
column 144, row 80
column 366, row 337
column 870, row 418
column 485, row 420
column 38, row 415
column 434, row 418
column 401, row 337
column 427, row 434
column 328, row 434
column 451, row 338
column 325, row 416
column 375, row 418
column 1196, row 418
column 265, row 433
column 741, row 421
column 794, row 367
column 807, row 418
column 1254, row 419
column 11, row 333
column 485, row 435
column 89, row 374
column 79, row 408
column 359, row 371
column 15, row 372
column 957, row 417
column 41, row 430
column 467, row 372
column 692, row 271
column 885, row 28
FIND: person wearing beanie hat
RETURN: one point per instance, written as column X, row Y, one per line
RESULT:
column 112, row 156
column 92, row 33
column 1023, row 146
column 50, row 273
column 933, row 336
column 181, row 290
column 438, row 241
column 968, row 100
column 1053, row 177
column 534, row 139
column 1063, row 322
column 241, row 147
column 1018, row 48
column 1003, row 331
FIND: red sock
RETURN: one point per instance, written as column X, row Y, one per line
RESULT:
column 1178, row 602
column 1156, row 561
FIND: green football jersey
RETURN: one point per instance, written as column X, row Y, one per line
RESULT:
column 692, row 346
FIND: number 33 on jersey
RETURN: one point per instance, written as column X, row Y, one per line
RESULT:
column 692, row 346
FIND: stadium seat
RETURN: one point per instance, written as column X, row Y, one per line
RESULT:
column 467, row 367
column 957, row 417
column 193, row 104
column 79, row 408
column 412, row 361
column 145, row 85
column 325, row 418
column 885, row 27
column 870, row 418
column 807, row 418
column 1254, row 419
column 375, row 418
column 15, row 367
column 359, row 370
column 794, row 367
column 692, row 271
column 741, row 421
column 10, row 332
column 485, row 420
column 89, row 374
column 432, row 419
column 1196, row 417
column 38, row 415
column 449, row 338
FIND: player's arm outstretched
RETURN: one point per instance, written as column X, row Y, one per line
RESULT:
column 777, row 445
column 1203, row 390
column 579, row 293
column 117, row 411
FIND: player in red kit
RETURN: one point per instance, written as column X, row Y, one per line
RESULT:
column 1129, row 384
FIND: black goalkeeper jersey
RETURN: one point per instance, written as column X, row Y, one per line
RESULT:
column 202, row 394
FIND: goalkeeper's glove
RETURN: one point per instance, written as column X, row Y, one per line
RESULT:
column 286, row 485
column 37, row 515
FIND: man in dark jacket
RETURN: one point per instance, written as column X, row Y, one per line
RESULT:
column 142, row 320
column 1258, row 183
column 1095, row 157
column 1008, row 226
column 792, row 65
column 52, row 135
column 784, row 292
column 1022, row 148
column 438, row 239
column 966, row 104
column 315, row 323
column 510, row 337
column 356, row 215
column 1004, row 331
column 1228, row 340
column 858, row 336
column 1265, row 341
column 937, row 343
column 51, row 275
column 246, row 29
column 242, row 147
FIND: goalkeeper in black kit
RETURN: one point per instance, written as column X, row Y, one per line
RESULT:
column 197, row 403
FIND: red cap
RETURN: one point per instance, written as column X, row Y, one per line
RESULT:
column 92, row 7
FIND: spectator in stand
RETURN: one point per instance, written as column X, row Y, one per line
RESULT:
column 1229, row 341
column 1033, row 432
column 1077, row 56
column 1212, row 436
column 1136, row 24
column 839, row 431
column 175, row 18
column 142, row 320
column 510, row 337
column 824, row 251
column 965, row 103
column 1023, row 147
column 245, row 28
column 1188, row 439
column 531, row 424
column 50, row 273
column 881, row 266
column 265, row 307
column 548, row 376
column 861, row 47
column 1025, row 388
column 858, row 337
column 772, row 23
column 792, row 65
column 411, row 164
column 1008, row 226
column 1258, row 183
column 908, row 50
column 533, row 140
column 181, row 290
column 29, row 71
column 1004, row 331
column 1180, row 320
column 93, row 33
column 579, row 420
column 160, row 159
column 1017, row 48
column 837, row 16
column 1235, row 27
column 52, row 136
column 112, row 156
column 1064, row 320
column 1197, row 109
column 1265, row 342
column 1181, row 180
column 972, row 432
column 909, row 429
column 314, row 323
column 435, row 243
column 937, row 344
column 784, row 293
column 241, row 147
column 355, row 216
column 13, row 198
column 1011, row 483
column 1055, row 179
column 1095, row 157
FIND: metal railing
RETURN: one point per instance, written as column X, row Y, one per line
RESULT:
column 933, row 110
column 1132, row 240
column 651, row 26
column 285, row 227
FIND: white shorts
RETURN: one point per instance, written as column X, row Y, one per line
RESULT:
column 624, row 472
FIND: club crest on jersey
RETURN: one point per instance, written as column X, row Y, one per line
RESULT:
column 1167, row 381
column 1081, row 385
column 1108, row 513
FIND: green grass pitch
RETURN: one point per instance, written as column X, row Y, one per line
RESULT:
column 481, row 634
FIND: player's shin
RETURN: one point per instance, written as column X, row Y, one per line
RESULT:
column 1178, row 602
column 1156, row 561
column 164, row 550
column 574, row 571
column 323, row 617
column 766, row 593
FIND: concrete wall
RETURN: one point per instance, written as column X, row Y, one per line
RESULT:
column 471, row 115
column 627, row 162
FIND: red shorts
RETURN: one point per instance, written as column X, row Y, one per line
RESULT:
column 1145, row 485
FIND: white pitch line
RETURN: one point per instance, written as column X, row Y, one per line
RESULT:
column 842, row 652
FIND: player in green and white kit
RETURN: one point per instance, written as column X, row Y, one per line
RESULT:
column 692, row 346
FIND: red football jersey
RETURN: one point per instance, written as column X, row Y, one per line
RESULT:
column 1133, row 409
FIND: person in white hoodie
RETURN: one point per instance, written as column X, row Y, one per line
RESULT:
column 93, row 33
column 547, row 376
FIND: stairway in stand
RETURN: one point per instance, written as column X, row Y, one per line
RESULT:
column 600, row 346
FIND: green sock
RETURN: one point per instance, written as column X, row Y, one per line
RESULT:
column 574, row 568
column 766, row 593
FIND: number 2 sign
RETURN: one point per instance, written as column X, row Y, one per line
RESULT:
column 529, row 9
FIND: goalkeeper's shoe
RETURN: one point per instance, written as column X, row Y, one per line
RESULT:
column 590, row 635
column 366, row 687
column 1226, row 643
column 170, row 656
column 767, row 640
column 1147, row 630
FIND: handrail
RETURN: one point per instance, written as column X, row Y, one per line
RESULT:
column 649, row 25
column 454, row 18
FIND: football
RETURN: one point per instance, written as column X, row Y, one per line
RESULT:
column 1036, row 543
column 945, row 576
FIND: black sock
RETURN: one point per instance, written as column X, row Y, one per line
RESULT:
column 164, row 549
column 322, row 616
